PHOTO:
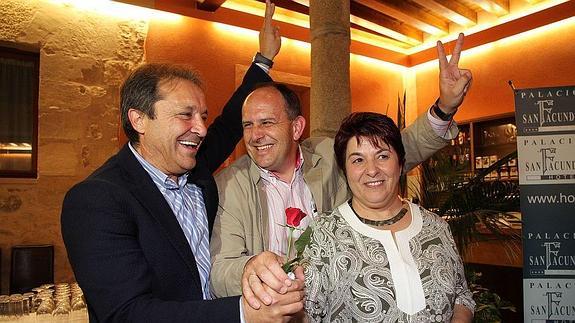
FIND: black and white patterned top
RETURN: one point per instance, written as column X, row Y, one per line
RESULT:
column 356, row 273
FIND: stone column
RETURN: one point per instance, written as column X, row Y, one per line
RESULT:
column 330, row 90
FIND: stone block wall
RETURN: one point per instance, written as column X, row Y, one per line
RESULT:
column 84, row 56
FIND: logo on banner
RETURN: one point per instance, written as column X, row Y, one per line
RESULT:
column 551, row 261
column 552, row 300
column 548, row 158
column 548, row 113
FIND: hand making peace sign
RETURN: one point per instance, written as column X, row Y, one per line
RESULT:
column 454, row 82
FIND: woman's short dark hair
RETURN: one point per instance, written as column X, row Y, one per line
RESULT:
column 376, row 127
column 140, row 91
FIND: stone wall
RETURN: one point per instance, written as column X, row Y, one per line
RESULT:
column 84, row 56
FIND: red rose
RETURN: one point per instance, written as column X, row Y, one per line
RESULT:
column 294, row 216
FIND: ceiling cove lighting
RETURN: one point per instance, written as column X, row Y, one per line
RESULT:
column 118, row 9
column 249, row 35
column 430, row 42
column 258, row 9
column 556, row 28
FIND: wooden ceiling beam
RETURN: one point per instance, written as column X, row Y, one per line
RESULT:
column 209, row 5
column 364, row 19
column 408, row 14
column 451, row 10
column 382, row 24
column 496, row 7
column 291, row 5
column 511, row 28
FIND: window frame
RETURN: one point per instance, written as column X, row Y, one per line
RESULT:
column 34, row 57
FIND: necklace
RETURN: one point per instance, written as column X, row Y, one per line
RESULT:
column 391, row 221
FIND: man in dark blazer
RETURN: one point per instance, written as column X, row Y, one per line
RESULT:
column 133, row 237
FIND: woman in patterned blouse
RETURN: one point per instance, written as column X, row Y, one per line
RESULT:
column 378, row 258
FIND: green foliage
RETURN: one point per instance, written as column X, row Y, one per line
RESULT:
column 488, row 304
column 300, row 245
column 468, row 203
column 303, row 241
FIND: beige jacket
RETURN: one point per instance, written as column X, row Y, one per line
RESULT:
column 241, row 226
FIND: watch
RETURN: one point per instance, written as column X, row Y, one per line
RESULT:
column 440, row 114
column 259, row 58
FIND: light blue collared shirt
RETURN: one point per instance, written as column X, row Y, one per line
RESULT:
column 187, row 204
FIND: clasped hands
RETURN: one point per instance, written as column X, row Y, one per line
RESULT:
column 269, row 295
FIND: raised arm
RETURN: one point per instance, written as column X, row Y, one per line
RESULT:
column 454, row 82
column 226, row 130
column 270, row 39
column 421, row 142
column 420, row 139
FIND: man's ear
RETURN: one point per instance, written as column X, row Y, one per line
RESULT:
column 137, row 120
column 298, row 125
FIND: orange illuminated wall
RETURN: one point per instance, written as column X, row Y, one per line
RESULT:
column 375, row 85
column 214, row 49
column 541, row 57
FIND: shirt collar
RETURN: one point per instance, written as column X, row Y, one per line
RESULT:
column 159, row 178
column 267, row 175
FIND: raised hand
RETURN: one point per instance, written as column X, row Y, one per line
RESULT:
column 264, row 268
column 454, row 82
column 270, row 39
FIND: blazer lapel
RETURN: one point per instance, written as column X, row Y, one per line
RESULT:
column 146, row 192
column 208, row 194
